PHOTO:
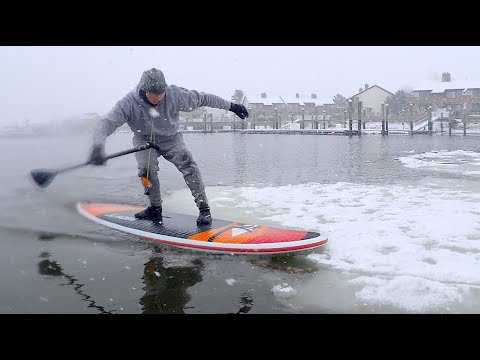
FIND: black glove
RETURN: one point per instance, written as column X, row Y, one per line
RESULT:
column 239, row 110
column 97, row 156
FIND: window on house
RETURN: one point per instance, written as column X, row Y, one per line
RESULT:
column 450, row 94
column 424, row 95
column 476, row 107
column 475, row 92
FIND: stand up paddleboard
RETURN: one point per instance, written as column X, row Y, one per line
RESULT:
column 221, row 236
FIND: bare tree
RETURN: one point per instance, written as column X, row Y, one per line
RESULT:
column 398, row 102
column 340, row 102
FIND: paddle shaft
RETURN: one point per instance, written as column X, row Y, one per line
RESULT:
column 114, row 155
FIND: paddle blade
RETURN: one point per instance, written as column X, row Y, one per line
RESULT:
column 43, row 177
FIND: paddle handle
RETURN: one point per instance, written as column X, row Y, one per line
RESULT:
column 125, row 152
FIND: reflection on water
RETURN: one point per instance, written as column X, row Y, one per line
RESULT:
column 46, row 236
column 289, row 263
column 49, row 267
column 247, row 303
column 166, row 287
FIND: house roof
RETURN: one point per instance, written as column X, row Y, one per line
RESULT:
column 368, row 90
column 269, row 100
column 301, row 100
column 292, row 100
column 438, row 87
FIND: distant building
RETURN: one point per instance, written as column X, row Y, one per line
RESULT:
column 371, row 98
column 277, row 110
column 263, row 109
column 263, row 104
column 454, row 95
column 306, row 103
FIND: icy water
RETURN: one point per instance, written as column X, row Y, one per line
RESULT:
column 402, row 214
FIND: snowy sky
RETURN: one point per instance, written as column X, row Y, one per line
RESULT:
column 44, row 83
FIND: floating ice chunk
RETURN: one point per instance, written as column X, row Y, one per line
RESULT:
column 230, row 281
column 284, row 291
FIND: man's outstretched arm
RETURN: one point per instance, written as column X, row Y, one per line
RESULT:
column 193, row 99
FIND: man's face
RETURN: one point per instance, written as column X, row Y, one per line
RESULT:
column 155, row 98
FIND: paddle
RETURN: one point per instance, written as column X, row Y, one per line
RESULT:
column 44, row 177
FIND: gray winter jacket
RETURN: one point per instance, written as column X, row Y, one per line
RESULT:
column 140, row 115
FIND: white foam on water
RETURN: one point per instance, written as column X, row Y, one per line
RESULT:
column 283, row 291
column 411, row 247
column 457, row 161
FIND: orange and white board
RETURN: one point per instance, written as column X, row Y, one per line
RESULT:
column 221, row 236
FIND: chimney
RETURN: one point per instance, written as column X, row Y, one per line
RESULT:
column 446, row 77
column 366, row 86
column 314, row 96
column 360, row 90
column 263, row 95
column 297, row 95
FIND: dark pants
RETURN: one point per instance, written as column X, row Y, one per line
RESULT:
column 175, row 151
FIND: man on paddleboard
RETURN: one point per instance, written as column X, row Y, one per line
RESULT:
column 151, row 110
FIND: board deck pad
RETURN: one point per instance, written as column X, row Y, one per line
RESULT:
column 221, row 236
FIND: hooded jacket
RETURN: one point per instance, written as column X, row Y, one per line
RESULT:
column 163, row 117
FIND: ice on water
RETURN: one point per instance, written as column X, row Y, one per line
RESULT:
column 412, row 246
